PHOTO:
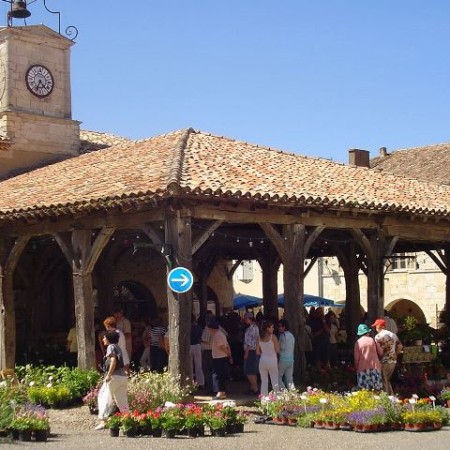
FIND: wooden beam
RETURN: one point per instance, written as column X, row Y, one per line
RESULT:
column 205, row 235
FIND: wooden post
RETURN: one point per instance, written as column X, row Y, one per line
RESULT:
column 178, row 236
column 82, row 252
column 270, row 264
column 349, row 262
column 10, row 251
column 292, row 246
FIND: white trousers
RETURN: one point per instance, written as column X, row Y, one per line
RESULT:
column 113, row 392
column 196, row 357
column 268, row 367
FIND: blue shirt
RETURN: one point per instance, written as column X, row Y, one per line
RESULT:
column 287, row 345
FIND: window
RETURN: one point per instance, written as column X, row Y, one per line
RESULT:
column 402, row 261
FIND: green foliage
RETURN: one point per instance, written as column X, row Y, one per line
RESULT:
column 10, row 397
column 56, row 387
column 172, row 419
column 128, row 422
column 148, row 390
column 114, row 421
column 305, row 420
column 444, row 394
column 49, row 396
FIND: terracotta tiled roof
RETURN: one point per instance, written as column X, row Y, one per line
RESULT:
column 199, row 164
column 94, row 140
column 428, row 163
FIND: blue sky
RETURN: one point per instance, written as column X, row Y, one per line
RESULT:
column 313, row 77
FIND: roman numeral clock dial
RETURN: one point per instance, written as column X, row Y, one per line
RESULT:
column 39, row 81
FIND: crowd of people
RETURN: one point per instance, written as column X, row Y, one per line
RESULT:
column 258, row 348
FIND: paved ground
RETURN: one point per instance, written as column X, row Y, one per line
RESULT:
column 73, row 429
column 255, row 437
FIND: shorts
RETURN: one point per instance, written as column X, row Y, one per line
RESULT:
column 251, row 363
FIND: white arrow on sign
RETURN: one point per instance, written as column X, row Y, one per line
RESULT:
column 183, row 280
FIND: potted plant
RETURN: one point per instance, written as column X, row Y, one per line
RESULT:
column 114, row 423
column 444, row 396
column 217, row 422
column 241, row 420
column 172, row 421
column 22, row 425
column 90, row 400
column 193, row 420
column 129, row 424
column 40, row 427
column 155, row 418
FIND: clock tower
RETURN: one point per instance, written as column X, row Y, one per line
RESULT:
column 36, row 125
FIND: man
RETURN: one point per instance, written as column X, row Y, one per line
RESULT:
column 124, row 325
column 286, row 362
column 251, row 338
column 391, row 346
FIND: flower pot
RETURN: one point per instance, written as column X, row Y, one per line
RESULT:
column 25, row 435
column 230, row 429
column 218, row 432
column 93, row 409
column 437, row 425
column 14, row 435
column 146, row 431
column 201, row 430
column 114, row 432
column 41, row 435
column 414, row 426
column 170, row 434
column 156, row 432
column 292, row 421
column 318, row 424
column 192, row 432
column 130, row 433
column 239, row 427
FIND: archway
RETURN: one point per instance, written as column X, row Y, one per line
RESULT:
column 135, row 299
column 403, row 307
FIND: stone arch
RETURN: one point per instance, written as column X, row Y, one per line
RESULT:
column 403, row 307
column 136, row 300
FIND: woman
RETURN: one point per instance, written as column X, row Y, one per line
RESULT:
column 367, row 353
column 268, row 348
column 114, row 389
column 221, row 354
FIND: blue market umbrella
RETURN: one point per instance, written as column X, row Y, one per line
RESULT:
column 246, row 301
column 313, row 300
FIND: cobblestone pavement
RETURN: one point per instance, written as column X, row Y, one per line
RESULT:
column 72, row 429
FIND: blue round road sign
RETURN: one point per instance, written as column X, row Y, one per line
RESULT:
column 180, row 280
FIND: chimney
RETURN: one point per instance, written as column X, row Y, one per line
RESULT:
column 383, row 152
column 357, row 157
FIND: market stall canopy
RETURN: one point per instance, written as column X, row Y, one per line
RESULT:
column 313, row 301
column 246, row 301
column 250, row 301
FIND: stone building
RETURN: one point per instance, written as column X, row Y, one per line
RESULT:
column 88, row 220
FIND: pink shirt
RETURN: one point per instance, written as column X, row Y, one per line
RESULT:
column 218, row 340
column 366, row 354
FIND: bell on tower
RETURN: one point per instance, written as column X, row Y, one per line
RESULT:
column 18, row 10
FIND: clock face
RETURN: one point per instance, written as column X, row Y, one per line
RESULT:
column 39, row 80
